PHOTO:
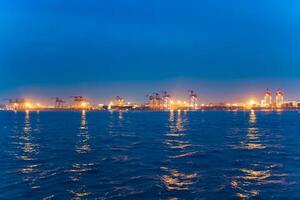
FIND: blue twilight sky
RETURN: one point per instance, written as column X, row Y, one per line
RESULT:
column 223, row 49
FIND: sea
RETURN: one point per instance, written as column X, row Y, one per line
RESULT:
column 150, row 155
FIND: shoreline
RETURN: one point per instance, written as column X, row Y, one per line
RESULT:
column 149, row 110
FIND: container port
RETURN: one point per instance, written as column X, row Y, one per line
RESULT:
column 156, row 101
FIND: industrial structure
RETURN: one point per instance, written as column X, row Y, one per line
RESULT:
column 157, row 101
column 193, row 100
column 166, row 98
column 80, row 103
column 279, row 99
column 18, row 104
column 59, row 103
column 119, row 103
column 267, row 100
column 164, row 101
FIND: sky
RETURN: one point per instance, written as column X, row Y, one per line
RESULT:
column 224, row 50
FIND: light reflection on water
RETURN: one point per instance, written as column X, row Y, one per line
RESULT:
column 83, row 135
column 174, row 177
column 29, row 150
column 250, row 179
column 116, row 123
column 150, row 155
column 80, row 167
column 253, row 134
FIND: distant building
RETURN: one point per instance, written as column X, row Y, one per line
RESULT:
column 267, row 101
column 279, row 98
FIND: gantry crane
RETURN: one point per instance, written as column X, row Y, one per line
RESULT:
column 193, row 99
column 79, row 102
column 16, row 103
column 59, row 103
column 166, row 100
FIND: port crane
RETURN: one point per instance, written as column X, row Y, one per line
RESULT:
column 165, row 94
column 157, row 101
column 16, row 103
column 10, row 101
column 59, row 103
column 151, row 101
column 192, row 93
column 78, row 98
column 193, row 99
column 166, row 100
column 79, row 102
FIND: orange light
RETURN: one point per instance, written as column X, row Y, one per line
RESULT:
column 252, row 103
column 28, row 105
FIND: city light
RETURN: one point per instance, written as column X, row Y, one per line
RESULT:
column 252, row 103
column 28, row 105
column 160, row 101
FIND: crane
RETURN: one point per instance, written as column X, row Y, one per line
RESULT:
column 193, row 99
column 59, row 103
column 79, row 102
column 166, row 100
column 16, row 103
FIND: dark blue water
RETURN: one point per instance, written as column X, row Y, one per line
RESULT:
column 150, row 155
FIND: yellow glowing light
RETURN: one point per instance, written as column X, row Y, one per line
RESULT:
column 83, row 104
column 28, row 105
column 178, row 102
column 252, row 102
column 172, row 102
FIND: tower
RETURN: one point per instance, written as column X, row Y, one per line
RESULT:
column 193, row 100
column 279, row 98
column 268, row 98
